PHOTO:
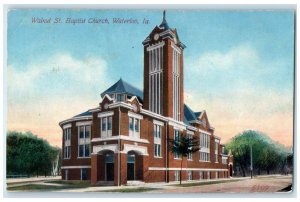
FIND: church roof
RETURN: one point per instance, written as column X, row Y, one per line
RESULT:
column 189, row 114
column 87, row 113
column 197, row 114
column 124, row 87
column 164, row 25
column 165, row 28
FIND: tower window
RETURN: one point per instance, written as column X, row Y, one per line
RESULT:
column 176, row 82
column 156, row 77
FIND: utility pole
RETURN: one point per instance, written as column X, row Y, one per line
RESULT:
column 251, row 166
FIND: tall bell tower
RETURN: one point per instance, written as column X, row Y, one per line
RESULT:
column 163, row 71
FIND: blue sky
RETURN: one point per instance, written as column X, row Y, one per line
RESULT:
column 238, row 66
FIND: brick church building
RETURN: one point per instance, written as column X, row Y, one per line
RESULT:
column 126, row 137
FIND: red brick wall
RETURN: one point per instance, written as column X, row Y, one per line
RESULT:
column 143, row 162
column 167, row 79
column 96, row 126
column 75, row 174
column 123, row 164
column 74, row 160
column 124, row 122
column 155, row 176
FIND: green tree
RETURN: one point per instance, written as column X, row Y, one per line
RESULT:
column 267, row 154
column 28, row 154
column 183, row 147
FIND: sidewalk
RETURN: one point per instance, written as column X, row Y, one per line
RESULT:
column 158, row 185
column 31, row 179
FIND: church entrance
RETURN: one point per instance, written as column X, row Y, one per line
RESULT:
column 109, row 166
column 130, row 167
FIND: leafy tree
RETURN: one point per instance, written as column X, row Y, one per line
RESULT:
column 183, row 147
column 267, row 155
column 28, row 154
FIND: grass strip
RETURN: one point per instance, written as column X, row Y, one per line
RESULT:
column 36, row 187
column 70, row 182
column 45, row 187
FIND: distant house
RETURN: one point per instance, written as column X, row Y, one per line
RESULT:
column 125, row 138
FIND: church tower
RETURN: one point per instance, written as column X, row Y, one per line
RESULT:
column 163, row 72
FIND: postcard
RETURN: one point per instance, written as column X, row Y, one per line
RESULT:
column 160, row 101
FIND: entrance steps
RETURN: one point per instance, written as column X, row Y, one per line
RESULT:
column 105, row 183
column 135, row 182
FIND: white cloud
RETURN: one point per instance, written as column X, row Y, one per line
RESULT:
column 240, row 89
column 60, row 67
column 242, row 55
column 44, row 93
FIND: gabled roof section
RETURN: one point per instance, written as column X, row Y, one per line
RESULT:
column 198, row 114
column 87, row 113
column 123, row 87
column 189, row 115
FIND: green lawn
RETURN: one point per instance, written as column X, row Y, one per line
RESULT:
column 45, row 187
column 80, row 183
column 35, row 187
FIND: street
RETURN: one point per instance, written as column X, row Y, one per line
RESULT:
column 262, row 184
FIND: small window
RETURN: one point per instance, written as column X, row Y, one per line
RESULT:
column 81, row 150
column 190, row 154
column 104, row 120
column 177, row 139
column 137, row 127
column 131, row 124
column 177, row 175
column 81, row 131
column 87, row 131
column 87, row 150
column 109, row 158
column 134, row 127
column 109, row 125
column 157, row 150
column 120, row 97
column 84, row 174
column 84, row 141
column 190, row 175
column 106, row 126
column 130, row 158
column 157, row 141
column 201, row 174
column 208, row 175
column 66, row 174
